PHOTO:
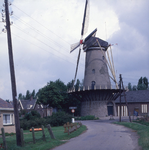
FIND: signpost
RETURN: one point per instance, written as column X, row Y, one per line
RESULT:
column 73, row 110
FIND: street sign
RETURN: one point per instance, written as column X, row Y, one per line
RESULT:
column 72, row 107
column 72, row 110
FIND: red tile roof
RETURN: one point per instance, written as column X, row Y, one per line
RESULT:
column 4, row 104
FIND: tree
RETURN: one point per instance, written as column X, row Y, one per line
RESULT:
column 134, row 88
column 20, row 96
column 129, row 86
column 142, row 84
column 28, row 95
column 53, row 94
column 33, row 94
column 7, row 100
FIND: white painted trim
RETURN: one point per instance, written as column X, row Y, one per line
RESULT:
column 21, row 104
column 35, row 104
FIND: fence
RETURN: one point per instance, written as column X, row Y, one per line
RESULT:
column 4, row 146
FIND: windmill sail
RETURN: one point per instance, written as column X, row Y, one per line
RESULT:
column 83, row 31
column 85, row 18
column 74, row 46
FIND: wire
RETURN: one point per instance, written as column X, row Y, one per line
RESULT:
column 40, row 41
column 37, row 31
column 42, row 48
column 41, row 24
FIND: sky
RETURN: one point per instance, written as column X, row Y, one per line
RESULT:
column 43, row 31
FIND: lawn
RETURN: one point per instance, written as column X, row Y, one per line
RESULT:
column 143, row 132
column 60, row 136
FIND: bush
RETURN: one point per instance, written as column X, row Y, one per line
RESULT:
column 57, row 119
column 32, row 115
column 89, row 117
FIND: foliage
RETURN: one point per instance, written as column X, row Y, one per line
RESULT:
column 57, row 119
column 55, row 95
column 28, row 95
column 89, row 117
column 32, row 115
column 7, row 100
column 40, row 144
column 143, row 132
column 134, row 88
column 129, row 86
column 142, row 84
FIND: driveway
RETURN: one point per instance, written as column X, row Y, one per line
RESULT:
column 103, row 136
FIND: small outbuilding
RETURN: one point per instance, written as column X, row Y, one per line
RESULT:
column 138, row 102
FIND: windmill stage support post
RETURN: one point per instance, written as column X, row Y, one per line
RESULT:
column 4, row 139
column 12, row 73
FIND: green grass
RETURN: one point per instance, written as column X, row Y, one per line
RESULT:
column 143, row 132
column 40, row 144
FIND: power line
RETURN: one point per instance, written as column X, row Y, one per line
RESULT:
column 37, row 30
column 43, row 49
column 41, row 41
column 41, row 24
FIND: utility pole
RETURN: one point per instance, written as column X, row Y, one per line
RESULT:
column 120, row 97
column 12, row 73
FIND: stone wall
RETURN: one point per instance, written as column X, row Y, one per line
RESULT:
column 96, row 108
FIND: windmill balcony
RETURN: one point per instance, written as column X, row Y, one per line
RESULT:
column 93, row 87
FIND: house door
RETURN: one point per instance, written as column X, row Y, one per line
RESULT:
column 110, row 108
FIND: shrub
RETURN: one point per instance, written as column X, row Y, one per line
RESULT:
column 57, row 119
column 32, row 115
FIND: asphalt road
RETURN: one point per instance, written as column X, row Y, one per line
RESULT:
column 103, row 136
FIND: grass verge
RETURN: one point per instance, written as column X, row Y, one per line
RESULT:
column 143, row 132
column 40, row 144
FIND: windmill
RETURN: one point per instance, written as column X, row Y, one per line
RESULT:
column 87, row 44
column 97, row 85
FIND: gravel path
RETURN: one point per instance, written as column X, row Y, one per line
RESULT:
column 103, row 136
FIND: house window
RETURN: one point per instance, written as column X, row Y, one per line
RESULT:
column 144, row 108
column 7, row 119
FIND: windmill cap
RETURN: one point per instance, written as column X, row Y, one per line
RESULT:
column 92, row 42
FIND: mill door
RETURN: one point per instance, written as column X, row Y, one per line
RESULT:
column 110, row 108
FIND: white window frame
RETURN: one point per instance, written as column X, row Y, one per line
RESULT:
column 11, row 119
column 144, row 108
column 124, row 110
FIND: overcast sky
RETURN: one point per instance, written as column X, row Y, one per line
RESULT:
column 43, row 31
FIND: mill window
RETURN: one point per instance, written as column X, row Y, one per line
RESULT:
column 93, row 71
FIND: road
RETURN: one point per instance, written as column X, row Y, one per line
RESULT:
column 103, row 136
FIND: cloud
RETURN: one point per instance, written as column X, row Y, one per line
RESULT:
column 44, row 30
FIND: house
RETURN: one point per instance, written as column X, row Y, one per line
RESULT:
column 138, row 101
column 7, row 117
column 31, row 104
